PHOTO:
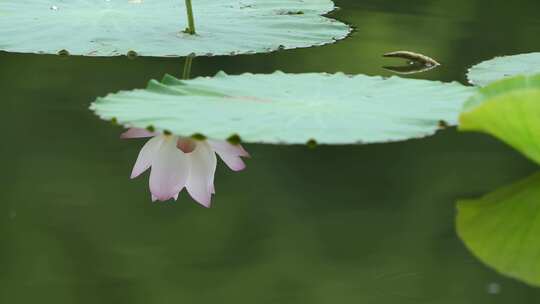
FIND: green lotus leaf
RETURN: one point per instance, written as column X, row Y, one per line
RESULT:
column 284, row 108
column 155, row 27
column 509, row 110
column 502, row 229
column 503, row 67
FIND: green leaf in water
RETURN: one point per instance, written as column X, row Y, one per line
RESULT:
column 156, row 27
column 509, row 110
column 290, row 108
column 502, row 229
column 503, row 67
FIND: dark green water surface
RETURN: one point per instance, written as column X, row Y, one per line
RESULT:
column 345, row 224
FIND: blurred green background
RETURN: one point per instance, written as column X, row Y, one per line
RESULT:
column 345, row 224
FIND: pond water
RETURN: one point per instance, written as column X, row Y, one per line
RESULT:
column 334, row 224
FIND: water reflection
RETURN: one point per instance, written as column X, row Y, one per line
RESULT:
column 502, row 229
column 178, row 162
column 325, row 226
column 410, row 68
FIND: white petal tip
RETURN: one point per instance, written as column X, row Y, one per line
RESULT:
column 136, row 172
column 243, row 152
column 205, row 204
column 238, row 167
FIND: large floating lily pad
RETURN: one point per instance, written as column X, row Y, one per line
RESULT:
column 503, row 67
column 155, row 27
column 509, row 110
column 503, row 229
column 290, row 108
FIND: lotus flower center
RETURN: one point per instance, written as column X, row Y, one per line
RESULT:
column 186, row 145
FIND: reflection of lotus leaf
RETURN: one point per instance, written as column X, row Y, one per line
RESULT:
column 503, row 67
column 503, row 229
column 509, row 110
column 154, row 28
column 290, row 108
column 409, row 68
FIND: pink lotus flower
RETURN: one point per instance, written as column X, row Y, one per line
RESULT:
column 179, row 162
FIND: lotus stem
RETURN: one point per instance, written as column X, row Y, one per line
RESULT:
column 191, row 22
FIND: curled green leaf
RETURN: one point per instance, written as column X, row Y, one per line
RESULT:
column 509, row 110
column 502, row 229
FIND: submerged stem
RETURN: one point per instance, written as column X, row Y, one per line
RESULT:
column 191, row 22
column 187, row 66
